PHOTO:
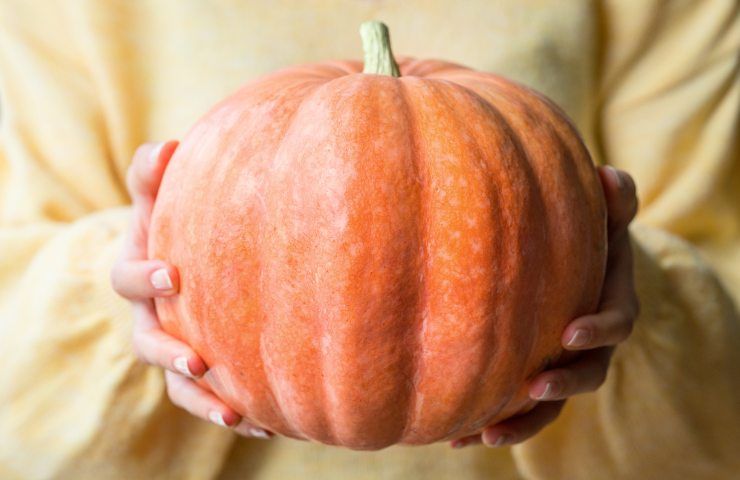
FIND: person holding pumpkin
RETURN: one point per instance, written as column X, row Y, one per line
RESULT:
column 79, row 93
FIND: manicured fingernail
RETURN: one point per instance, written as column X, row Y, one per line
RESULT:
column 612, row 172
column 548, row 392
column 579, row 338
column 161, row 279
column 181, row 365
column 216, row 417
column 258, row 433
column 501, row 441
column 154, row 154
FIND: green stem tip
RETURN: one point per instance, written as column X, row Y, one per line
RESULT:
column 376, row 42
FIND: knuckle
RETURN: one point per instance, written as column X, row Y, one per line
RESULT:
column 600, row 378
column 592, row 380
column 554, row 412
column 627, row 330
column 138, row 352
column 141, row 150
column 564, row 381
column 629, row 191
column 594, row 333
column 131, row 179
column 116, row 278
column 622, row 327
column 571, row 383
column 141, row 154
column 619, row 317
column 139, row 345
column 137, row 175
column 139, row 228
column 601, row 370
column 173, row 391
column 634, row 207
column 628, row 183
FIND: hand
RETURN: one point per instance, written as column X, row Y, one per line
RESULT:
column 140, row 280
column 596, row 335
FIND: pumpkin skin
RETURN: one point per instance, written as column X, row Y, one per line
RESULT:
column 368, row 260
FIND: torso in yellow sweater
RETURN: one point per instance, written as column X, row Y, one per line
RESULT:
column 651, row 85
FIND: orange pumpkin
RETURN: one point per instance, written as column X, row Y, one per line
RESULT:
column 379, row 257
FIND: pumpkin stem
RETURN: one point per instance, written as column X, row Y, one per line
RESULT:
column 376, row 42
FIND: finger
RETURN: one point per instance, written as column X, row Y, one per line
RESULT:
column 515, row 429
column 621, row 198
column 606, row 328
column 618, row 308
column 189, row 396
column 156, row 347
column 135, row 243
column 586, row 374
column 143, row 179
column 136, row 279
column 186, row 394
column 522, row 427
column 145, row 173
column 619, row 283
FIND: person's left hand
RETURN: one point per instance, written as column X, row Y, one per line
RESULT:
column 140, row 279
column 596, row 335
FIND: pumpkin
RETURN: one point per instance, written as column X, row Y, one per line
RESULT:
column 379, row 257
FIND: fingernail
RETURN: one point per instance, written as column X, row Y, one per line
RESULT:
column 216, row 417
column 501, row 441
column 258, row 433
column 612, row 172
column 181, row 365
column 154, row 154
column 548, row 392
column 579, row 338
column 458, row 444
column 161, row 279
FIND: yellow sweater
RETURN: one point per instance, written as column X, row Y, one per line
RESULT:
column 652, row 84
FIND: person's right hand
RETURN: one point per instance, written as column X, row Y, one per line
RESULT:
column 139, row 280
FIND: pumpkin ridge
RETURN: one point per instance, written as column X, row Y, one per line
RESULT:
column 469, row 407
column 525, row 111
column 570, row 140
column 421, row 311
column 369, row 94
column 548, row 115
column 304, row 84
column 519, row 145
column 350, row 96
column 528, row 345
column 531, row 202
column 289, row 126
column 526, row 165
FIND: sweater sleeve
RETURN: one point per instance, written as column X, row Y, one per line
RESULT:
column 668, row 408
column 74, row 401
column 669, row 116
